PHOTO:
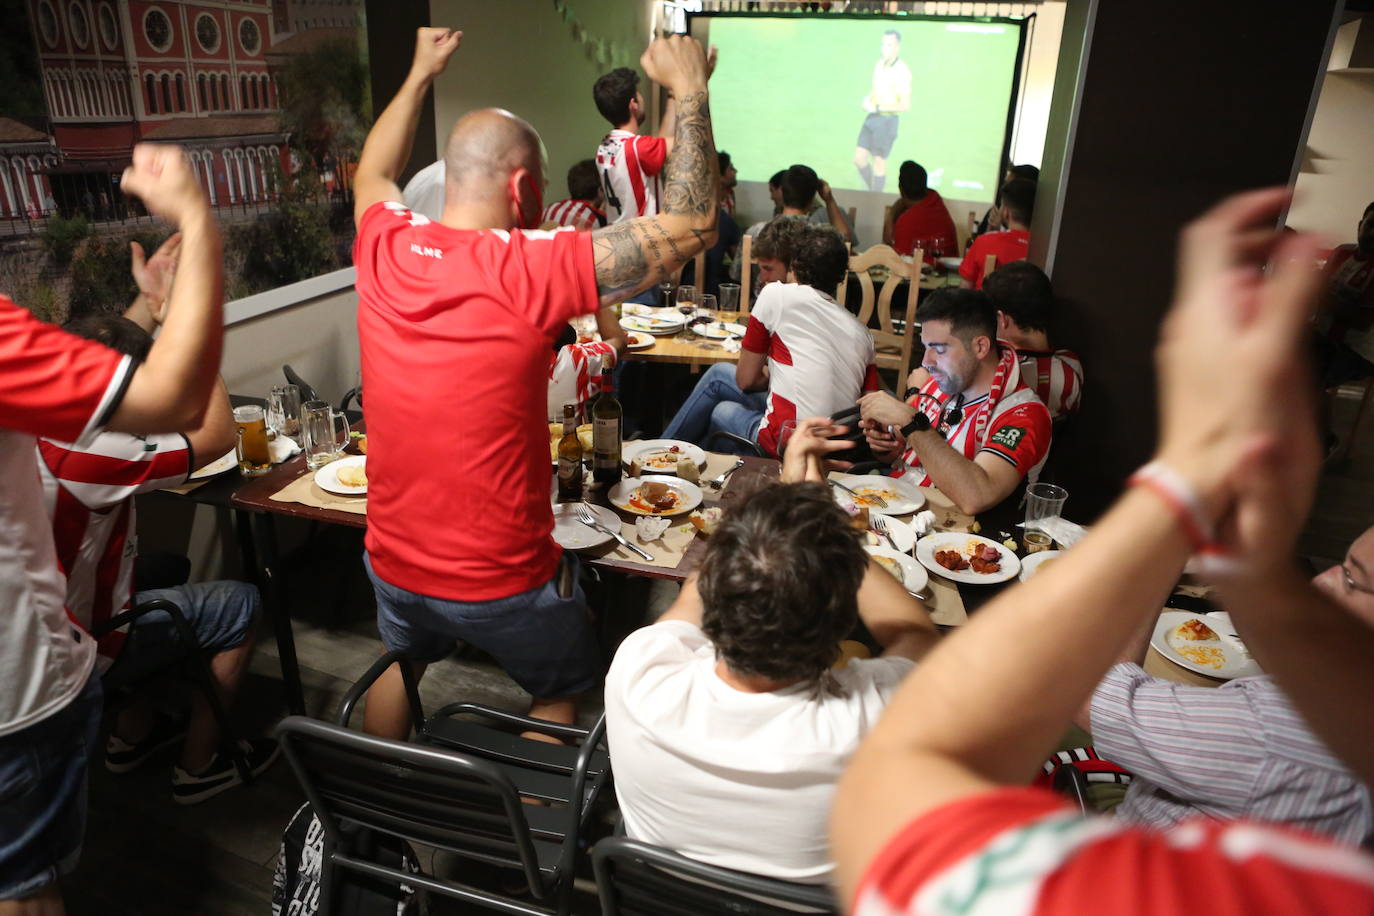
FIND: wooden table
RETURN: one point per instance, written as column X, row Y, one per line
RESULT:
column 689, row 351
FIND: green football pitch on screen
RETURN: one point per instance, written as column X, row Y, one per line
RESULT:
column 793, row 91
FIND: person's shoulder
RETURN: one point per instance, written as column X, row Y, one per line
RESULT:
column 664, row 648
column 881, row 673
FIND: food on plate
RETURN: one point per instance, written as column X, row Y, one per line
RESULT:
column 1044, row 563
column 639, row 339
column 1195, row 631
column 1206, row 656
column 362, row 444
column 976, row 555
column 869, row 496
column 584, row 435
column 687, row 469
column 354, row 475
column 636, row 469
column 650, row 528
column 951, row 559
column 892, row 566
column 706, row 520
column 655, row 496
column 858, row 517
column 1010, row 544
column 661, row 459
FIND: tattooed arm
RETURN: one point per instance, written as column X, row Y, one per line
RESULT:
column 633, row 255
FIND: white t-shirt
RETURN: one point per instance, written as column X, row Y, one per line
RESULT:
column 424, row 192
column 820, row 359
column 891, row 84
column 735, row 779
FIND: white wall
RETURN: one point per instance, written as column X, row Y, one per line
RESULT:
column 1336, row 182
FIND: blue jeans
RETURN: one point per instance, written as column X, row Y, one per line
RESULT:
column 43, row 794
column 220, row 614
column 717, row 404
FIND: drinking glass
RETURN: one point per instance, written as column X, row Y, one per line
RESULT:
column 729, row 301
column 706, row 312
column 320, row 426
column 255, row 459
column 686, row 304
column 284, row 411
column 785, row 435
column 665, row 294
column 1043, row 500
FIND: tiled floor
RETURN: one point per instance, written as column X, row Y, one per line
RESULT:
column 146, row 855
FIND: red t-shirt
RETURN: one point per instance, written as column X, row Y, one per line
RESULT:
column 455, row 327
column 1023, row 852
column 1010, row 245
column 927, row 221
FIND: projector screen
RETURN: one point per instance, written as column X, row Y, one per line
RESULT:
column 827, row 91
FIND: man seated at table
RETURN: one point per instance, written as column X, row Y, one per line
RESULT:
column 1011, row 243
column 925, row 221
column 90, row 488
column 1024, row 299
column 974, row 430
column 727, row 712
column 1239, row 750
column 802, row 355
column 455, row 321
column 586, row 200
column 800, row 186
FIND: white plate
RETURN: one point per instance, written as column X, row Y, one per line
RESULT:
column 950, row 263
column 327, row 477
column 226, row 462
column 652, row 324
column 1031, row 563
column 902, row 534
column 718, row 331
column 903, row 499
column 638, row 448
column 1235, row 663
column 571, row 534
column 689, row 494
column 639, row 340
column 914, row 576
column 954, row 540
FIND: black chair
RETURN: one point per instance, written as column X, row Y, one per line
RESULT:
column 750, row 447
column 307, row 390
column 466, row 801
column 638, row 879
column 197, row 665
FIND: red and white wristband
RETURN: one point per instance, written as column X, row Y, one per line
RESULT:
column 1178, row 494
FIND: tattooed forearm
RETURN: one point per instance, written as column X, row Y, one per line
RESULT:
column 691, row 174
column 621, row 262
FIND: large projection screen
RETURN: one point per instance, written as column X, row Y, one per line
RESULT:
column 791, row 89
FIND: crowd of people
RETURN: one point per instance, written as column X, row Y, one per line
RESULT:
column 903, row 781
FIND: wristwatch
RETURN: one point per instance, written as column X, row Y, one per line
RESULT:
column 919, row 423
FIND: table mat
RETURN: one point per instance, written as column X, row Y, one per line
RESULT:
column 305, row 491
column 189, row 485
column 667, row 550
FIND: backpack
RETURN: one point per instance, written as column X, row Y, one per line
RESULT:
column 296, row 883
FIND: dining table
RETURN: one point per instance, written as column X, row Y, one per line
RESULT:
column 685, row 349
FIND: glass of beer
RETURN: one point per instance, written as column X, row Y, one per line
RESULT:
column 254, row 457
column 324, row 441
column 1043, row 501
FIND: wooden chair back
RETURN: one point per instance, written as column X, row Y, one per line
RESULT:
column 895, row 346
column 989, row 265
column 746, row 274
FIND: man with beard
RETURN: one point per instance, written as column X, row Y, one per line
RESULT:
column 974, row 429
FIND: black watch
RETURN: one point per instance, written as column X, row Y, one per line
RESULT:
column 919, row 423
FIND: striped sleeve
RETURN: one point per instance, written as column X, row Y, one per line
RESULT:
column 111, row 467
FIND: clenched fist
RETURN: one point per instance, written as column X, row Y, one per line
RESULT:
column 433, row 48
column 161, row 177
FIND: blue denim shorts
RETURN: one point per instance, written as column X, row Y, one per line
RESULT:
column 543, row 641
column 220, row 613
column 43, row 794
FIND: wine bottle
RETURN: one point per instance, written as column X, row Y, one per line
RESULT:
column 569, row 459
column 606, row 420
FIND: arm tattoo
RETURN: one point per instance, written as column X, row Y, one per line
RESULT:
column 691, row 173
column 622, row 260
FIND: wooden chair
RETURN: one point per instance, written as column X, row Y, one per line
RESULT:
column 989, row 265
column 894, row 348
column 746, row 274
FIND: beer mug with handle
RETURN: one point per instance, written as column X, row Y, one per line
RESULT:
column 320, row 426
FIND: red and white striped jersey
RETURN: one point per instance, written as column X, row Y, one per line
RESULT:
column 629, row 165
column 89, row 489
column 574, row 374
column 1056, row 377
column 579, row 214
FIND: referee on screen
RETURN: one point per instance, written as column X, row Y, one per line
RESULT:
column 889, row 97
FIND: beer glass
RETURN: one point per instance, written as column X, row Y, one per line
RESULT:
column 1043, row 500
column 284, row 411
column 729, row 301
column 254, row 457
column 323, row 441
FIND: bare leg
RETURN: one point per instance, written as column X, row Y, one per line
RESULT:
column 202, row 732
column 135, row 720
column 861, row 160
column 47, row 902
column 562, row 710
column 388, row 711
column 879, row 173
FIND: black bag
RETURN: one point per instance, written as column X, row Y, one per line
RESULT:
column 296, row 884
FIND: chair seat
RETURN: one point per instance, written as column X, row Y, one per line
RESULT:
column 506, row 747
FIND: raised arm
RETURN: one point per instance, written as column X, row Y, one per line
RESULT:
column 170, row 389
column 667, row 124
column 387, row 149
column 633, row 255
column 838, row 220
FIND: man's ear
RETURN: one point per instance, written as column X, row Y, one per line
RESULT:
column 982, row 346
column 1003, row 323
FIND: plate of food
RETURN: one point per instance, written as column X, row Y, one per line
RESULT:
column 660, row 456
column 346, row 477
column 584, row 435
column 655, row 324
column 226, row 462
column 1032, row 563
column 639, row 340
column 655, row 495
column 903, row 535
column 1204, row 643
column 718, row 330
column 572, row 534
column 904, row 569
column 868, row 489
column 968, row 558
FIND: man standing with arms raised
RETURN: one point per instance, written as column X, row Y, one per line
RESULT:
column 455, row 321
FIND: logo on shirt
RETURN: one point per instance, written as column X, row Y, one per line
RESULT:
column 425, row 251
column 1009, row 437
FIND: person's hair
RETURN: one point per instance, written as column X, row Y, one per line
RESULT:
column 1018, row 196
column 779, row 583
column 723, row 161
column 583, row 180
column 1028, row 172
column 970, row 313
column 1366, row 211
column 777, row 241
column 776, row 180
column 894, row 33
column 820, row 258
column 114, row 331
column 911, row 180
column 614, row 92
column 1023, row 292
column 799, row 186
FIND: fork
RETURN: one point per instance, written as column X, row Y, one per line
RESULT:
column 584, row 516
column 719, row 481
column 879, row 524
column 876, row 500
